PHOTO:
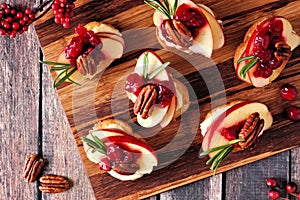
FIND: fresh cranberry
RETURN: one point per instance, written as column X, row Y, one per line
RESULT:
column 274, row 63
column 115, row 154
column 288, row 92
column 291, row 187
column 271, row 182
column 105, row 164
column 293, row 113
column 274, row 194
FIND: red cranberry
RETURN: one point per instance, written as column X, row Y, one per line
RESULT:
column 114, row 153
column 189, row 16
column 271, row 182
column 288, row 92
column 293, row 113
column 105, row 164
column 274, row 194
column 291, row 187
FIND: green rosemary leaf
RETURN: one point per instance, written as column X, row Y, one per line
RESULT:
column 90, row 142
column 223, row 157
column 236, row 141
column 60, row 67
column 99, row 142
column 244, row 58
column 174, row 7
column 58, row 76
column 247, row 67
column 73, row 82
column 159, row 69
column 168, row 6
column 212, row 159
column 204, row 153
column 145, row 67
column 67, row 76
column 157, row 5
column 55, row 63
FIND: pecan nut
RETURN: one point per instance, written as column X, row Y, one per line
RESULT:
column 33, row 167
column 53, row 184
column 283, row 51
column 86, row 65
column 126, row 168
column 178, row 33
column 251, row 130
column 146, row 98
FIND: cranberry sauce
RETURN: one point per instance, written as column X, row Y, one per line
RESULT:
column 193, row 18
column 266, row 35
column 84, row 43
column 134, row 83
column 117, row 155
column 231, row 133
column 165, row 89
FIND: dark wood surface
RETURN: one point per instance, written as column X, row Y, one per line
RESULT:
column 33, row 120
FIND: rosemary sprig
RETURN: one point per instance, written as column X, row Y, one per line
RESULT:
column 164, row 8
column 145, row 67
column 65, row 73
column 146, row 74
column 159, row 69
column 96, row 144
column 248, row 66
column 222, row 153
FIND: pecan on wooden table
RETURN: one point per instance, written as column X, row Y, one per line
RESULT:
column 53, row 184
column 33, row 167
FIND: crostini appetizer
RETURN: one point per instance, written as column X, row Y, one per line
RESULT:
column 94, row 48
column 234, row 126
column 118, row 151
column 266, row 49
column 186, row 26
column 157, row 96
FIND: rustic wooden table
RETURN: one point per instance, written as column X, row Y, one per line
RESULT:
column 32, row 120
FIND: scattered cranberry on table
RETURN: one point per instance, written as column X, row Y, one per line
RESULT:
column 288, row 92
column 274, row 194
column 291, row 187
column 271, row 182
column 293, row 113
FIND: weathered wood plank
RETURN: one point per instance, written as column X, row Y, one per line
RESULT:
column 210, row 188
column 249, row 182
column 59, row 146
column 19, row 96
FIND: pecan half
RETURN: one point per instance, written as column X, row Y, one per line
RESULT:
column 33, row 167
column 53, row 184
column 147, row 97
column 251, row 130
column 86, row 65
column 126, row 169
column 283, row 51
column 178, row 33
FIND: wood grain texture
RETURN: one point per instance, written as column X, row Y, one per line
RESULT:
column 83, row 112
column 19, row 111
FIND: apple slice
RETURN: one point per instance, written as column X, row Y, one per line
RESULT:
column 182, row 98
column 112, row 48
column 146, row 161
column 217, row 31
column 157, row 115
column 169, row 115
column 236, row 113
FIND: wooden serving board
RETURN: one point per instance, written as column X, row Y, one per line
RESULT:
column 209, row 85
